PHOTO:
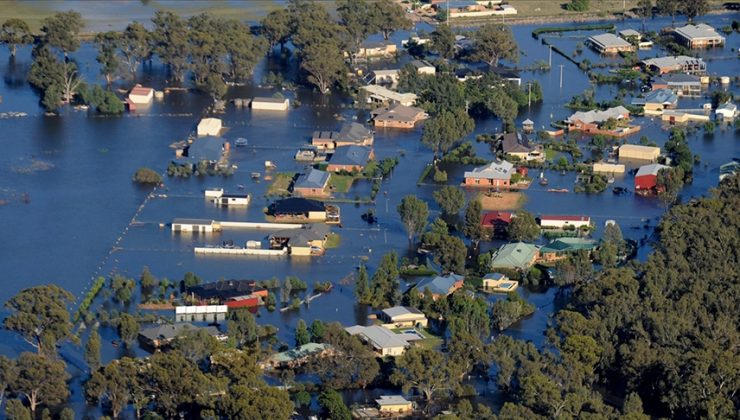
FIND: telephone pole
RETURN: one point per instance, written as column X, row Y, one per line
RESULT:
column 561, row 76
column 549, row 61
column 529, row 94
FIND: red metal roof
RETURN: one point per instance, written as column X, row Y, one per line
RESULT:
column 490, row 218
column 566, row 218
column 140, row 90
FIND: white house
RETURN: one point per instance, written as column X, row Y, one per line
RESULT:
column 227, row 200
column 200, row 313
column 193, row 225
column 270, row 104
column 562, row 222
column 379, row 94
column 726, row 111
column 209, row 127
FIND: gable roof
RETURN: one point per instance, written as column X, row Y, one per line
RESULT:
column 658, row 96
column 421, row 63
column 598, row 116
column 567, row 218
column 651, row 169
column 609, row 40
column 678, row 78
column 351, row 155
column 490, row 218
column 514, row 255
column 700, row 31
column 392, row 400
column 299, row 352
column 267, row 99
column 672, row 61
column 353, row 132
column 568, row 245
column 314, row 178
column 206, row 148
column 494, row 170
column 324, row 135
column 379, row 337
column 398, row 112
column 401, row 310
column 170, row 331
column 439, row 285
column 514, row 143
column 302, row 236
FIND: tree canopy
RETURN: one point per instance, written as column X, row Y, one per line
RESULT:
column 39, row 314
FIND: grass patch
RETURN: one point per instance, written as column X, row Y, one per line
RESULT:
column 425, row 173
column 550, row 154
column 280, row 184
column 332, row 241
column 554, row 29
column 340, row 183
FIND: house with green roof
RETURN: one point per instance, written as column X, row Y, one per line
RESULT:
column 297, row 356
column 515, row 256
column 561, row 247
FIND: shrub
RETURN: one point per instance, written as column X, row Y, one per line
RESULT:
column 147, row 176
column 440, row 176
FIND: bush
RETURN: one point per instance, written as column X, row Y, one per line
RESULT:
column 440, row 176
column 577, row 5
column 147, row 176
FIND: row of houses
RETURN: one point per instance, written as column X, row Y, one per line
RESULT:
column 692, row 36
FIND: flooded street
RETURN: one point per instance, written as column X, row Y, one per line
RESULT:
column 71, row 212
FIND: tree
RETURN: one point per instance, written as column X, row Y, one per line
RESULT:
column 384, row 283
column 523, row 227
column 357, row 21
column 423, row 370
column 669, row 184
column 473, row 228
column 242, row 327
column 263, row 402
column 177, row 383
column 107, row 43
column 577, row 5
column 414, row 214
column 128, row 328
column 147, row 176
column 668, row 7
column 450, row 199
column 694, row 8
column 15, row 32
column 8, row 374
column 444, row 130
column 52, row 98
column 39, row 314
column 508, row 311
column 196, row 344
column 644, row 10
column 388, row 16
column 118, row 384
column 62, row 30
column 353, row 365
column 170, row 38
column 494, row 42
column 92, row 350
column 443, row 41
column 40, row 380
column 333, row 405
column 575, row 269
column 361, row 285
column 451, row 253
column 302, row 336
column 15, row 410
column 324, row 64
column 317, row 330
column 242, row 49
column 134, row 46
column 276, row 27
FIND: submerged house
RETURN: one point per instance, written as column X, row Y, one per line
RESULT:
column 141, row 95
column 515, row 256
column 403, row 316
column 352, row 134
column 605, row 122
column 297, row 356
column 560, row 248
column 646, row 178
column 440, row 286
column 639, row 152
column 232, row 293
column 514, row 144
column 194, row 225
column 398, row 116
column 306, row 241
column 497, row 221
column 679, row 63
column 313, row 183
column 680, row 83
column 375, row 49
column 270, row 104
column 609, row 43
column 500, row 283
column 302, row 210
column 656, row 101
column 698, row 36
column 159, row 336
column 384, row 341
column 381, row 95
column 209, row 149
column 495, row 174
column 350, row 159
column 209, row 127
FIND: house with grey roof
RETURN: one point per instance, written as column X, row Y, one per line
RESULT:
column 656, row 101
column 350, row 159
column 312, row 184
column 163, row 335
column 352, row 134
column 440, row 286
column 495, row 174
column 306, row 241
column 699, row 36
column 609, row 43
column 681, row 84
column 679, row 63
column 398, row 116
column 208, row 148
column 403, row 316
column 297, row 356
column 384, row 341
column 592, row 122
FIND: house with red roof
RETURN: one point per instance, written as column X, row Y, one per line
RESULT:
column 564, row 222
column 646, row 178
column 497, row 221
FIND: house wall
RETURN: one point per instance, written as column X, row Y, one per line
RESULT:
column 392, row 351
column 395, row 408
column 227, row 201
column 300, row 251
column 477, row 182
column 394, row 124
column 650, row 155
column 317, row 215
column 646, row 182
column 560, row 224
column 311, row 192
column 322, row 143
column 271, row 106
column 177, row 227
column 348, row 168
column 141, row 99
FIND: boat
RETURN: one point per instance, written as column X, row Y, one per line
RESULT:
column 610, row 180
column 543, row 180
column 558, row 190
column 619, row 190
column 241, row 142
column 255, row 175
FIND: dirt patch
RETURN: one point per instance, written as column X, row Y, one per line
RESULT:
column 508, row 200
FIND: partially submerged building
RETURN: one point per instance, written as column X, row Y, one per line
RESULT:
column 201, row 313
column 608, row 43
column 141, row 95
column 699, row 36
column 297, row 356
column 381, row 95
column 499, row 283
column 517, row 256
column 350, row 159
column 514, row 144
column 209, row 127
column 592, row 122
column 560, row 248
column 194, row 225
column 656, row 101
column 403, row 316
column 497, row 221
column 398, row 116
column 495, row 174
column 646, row 178
column 549, row 221
column 307, row 241
column 679, row 83
column 639, row 152
column 440, row 286
column 270, row 104
column 158, row 336
column 384, row 341
column 313, row 183
column 679, row 63
column 302, row 210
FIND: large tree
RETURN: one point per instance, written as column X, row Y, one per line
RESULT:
column 62, row 31
column 39, row 314
column 302, row 336
column 333, row 406
column 277, row 27
column 644, row 10
column 494, row 42
column 92, row 350
column 424, row 370
column 117, row 384
column 384, row 283
column 177, row 383
column 256, row 403
column 450, row 199
column 414, row 214
column 243, row 50
column 356, row 18
column 388, row 17
column 473, row 228
column 242, row 327
column 523, row 227
column 107, row 43
column 8, row 373
column 135, row 46
column 669, row 8
column 15, row 32
column 40, row 380
column 170, row 40
column 444, row 130
column 443, row 41
column 695, row 8
column 354, row 365
column 128, row 328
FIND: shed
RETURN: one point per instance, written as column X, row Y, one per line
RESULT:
column 562, row 222
column 726, row 111
column 394, row 404
column 270, row 104
column 201, row 313
column 209, row 127
column 141, row 95
column 193, row 225
column 646, row 178
column 639, row 152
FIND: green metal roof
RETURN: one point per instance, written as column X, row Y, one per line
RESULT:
column 299, row 352
column 568, row 245
column 517, row 255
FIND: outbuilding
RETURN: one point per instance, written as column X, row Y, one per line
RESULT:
column 232, row 200
column 141, row 95
column 564, row 222
column 209, row 127
column 270, row 104
column 200, row 313
column 639, row 152
column 193, row 225
column 646, row 178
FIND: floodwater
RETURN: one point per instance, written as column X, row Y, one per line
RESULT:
column 70, row 211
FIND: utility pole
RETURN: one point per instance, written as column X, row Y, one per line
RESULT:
column 549, row 61
column 529, row 94
column 561, row 76
column 448, row 12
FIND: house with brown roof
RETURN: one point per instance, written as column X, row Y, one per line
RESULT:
column 514, row 144
column 352, row 134
column 398, row 116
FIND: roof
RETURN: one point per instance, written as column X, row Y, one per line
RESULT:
column 727, row 106
column 389, row 94
column 609, row 40
column 651, row 169
column 678, row 78
column 392, row 400
column 201, row 309
column 457, row 4
column 494, row 170
column 504, row 73
column 658, row 96
column 269, row 99
column 376, row 44
column 514, row 143
column 314, row 178
column 673, row 61
column 398, row 112
column 598, row 116
column 639, row 148
column 300, row 352
column 302, row 236
column 324, row 135
column 379, row 337
column 184, row 221
column 235, row 195
column 527, row 122
column 206, row 148
column 629, row 32
column 439, row 285
column 515, row 255
column 401, row 310
column 496, row 216
column 296, row 205
column 421, row 63
column 141, row 90
column 568, row 244
column 170, row 331
column 353, row 132
column 700, row 31
column 224, row 289
column 351, row 155
column 565, row 218
column 496, row 276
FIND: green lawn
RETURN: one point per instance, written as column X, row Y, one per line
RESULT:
column 340, row 183
column 332, row 241
column 280, row 184
column 550, row 154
